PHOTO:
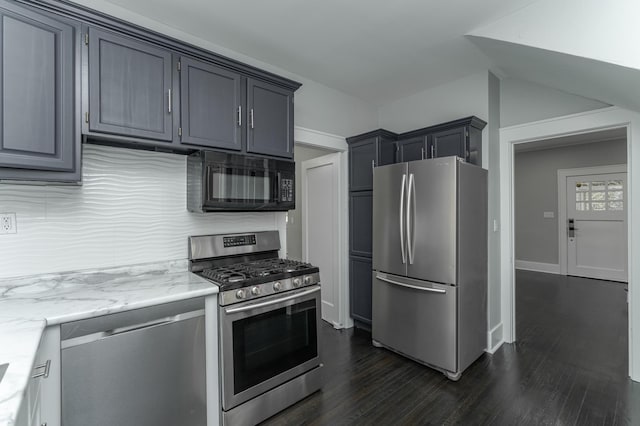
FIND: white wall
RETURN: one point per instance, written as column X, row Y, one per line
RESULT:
column 317, row 106
column 450, row 101
column 536, row 191
column 603, row 30
column 523, row 102
column 130, row 209
column 492, row 162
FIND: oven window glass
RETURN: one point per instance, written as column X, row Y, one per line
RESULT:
column 268, row 344
column 240, row 185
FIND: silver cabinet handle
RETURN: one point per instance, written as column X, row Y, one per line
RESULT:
column 44, row 370
column 251, row 117
column 422, row 152
column 169, row 102
column 402, row 245
column 373, row 164
column 239, row 115
column 410, row 197
column 271, row 302
column 415, row 287
column 432, row 151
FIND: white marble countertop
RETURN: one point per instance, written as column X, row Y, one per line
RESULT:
column 29, row 304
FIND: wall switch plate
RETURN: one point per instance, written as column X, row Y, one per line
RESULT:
column 8, row 223
column 549, row 215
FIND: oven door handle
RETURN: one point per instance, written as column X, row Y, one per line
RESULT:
column 271, row 302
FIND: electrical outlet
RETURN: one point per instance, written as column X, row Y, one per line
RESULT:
column 8, row 223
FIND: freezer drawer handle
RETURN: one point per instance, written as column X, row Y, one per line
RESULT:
column 415, row 287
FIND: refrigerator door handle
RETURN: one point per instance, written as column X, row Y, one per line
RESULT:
column 402, row 243
column 410, row 231
column 415, row 287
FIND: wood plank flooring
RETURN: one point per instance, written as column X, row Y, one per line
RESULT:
column 569, row 367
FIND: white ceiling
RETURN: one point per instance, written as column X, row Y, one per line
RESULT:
column 375, row 50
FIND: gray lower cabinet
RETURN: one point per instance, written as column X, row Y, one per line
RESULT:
column 40, row 137
column 41, row 401
column 129, row 87
column 360, row 220
column 360, row 290
column 211, row 105
column 270, row 119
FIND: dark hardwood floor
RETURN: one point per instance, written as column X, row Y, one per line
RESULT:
column 569, row 367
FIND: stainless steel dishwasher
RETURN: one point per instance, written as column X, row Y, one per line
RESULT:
column 144, row 367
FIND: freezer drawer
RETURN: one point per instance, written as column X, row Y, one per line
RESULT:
column 416, row 318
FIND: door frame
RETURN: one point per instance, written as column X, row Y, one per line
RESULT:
column 338, row 144
column 563, row 174
column 575, row 124
column 331, row 158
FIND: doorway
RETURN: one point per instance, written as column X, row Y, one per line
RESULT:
column 577, row 124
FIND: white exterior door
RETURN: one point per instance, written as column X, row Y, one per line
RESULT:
column 320, row 245
column 596, row 226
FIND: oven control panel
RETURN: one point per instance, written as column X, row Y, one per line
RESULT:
column 239, row 240
column 244, row 294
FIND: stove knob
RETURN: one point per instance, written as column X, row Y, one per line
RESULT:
column 307, row 280
column 255, row 291
column 240, row 294
column 296, row 282
column 277, row 286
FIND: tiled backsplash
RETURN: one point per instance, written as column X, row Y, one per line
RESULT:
column 130, row 209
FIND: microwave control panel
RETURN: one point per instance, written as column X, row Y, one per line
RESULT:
column 286, row 190
column 239, row 240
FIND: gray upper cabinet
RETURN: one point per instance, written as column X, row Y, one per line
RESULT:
column 129, row 87
column 269, row 119
column 412, row 149
column 211, row 105
column 39, row 138
column 449, row 142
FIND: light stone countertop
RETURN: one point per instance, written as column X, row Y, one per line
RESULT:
column 29, row 304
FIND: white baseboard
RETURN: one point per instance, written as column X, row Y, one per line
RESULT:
column 549, row 268
column 495, row 339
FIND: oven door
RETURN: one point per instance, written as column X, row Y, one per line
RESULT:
column 267, row 342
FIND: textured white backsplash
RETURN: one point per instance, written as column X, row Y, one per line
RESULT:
column 130, row 209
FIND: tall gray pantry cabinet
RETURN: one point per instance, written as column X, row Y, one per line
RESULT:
column 39, row 62
column 365, row 152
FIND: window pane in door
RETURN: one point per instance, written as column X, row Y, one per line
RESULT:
column 615, row 185
column 597, row 196
column 614, row 195
column 582, row 186
column 598, row 207
column 582, row 196
column 598, row 186
column 616, row 205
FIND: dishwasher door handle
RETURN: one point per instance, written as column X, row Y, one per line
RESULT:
column 122, row 330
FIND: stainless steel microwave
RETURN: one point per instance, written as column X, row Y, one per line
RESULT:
column 218, row 181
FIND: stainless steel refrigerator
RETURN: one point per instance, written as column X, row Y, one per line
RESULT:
column 430, row 262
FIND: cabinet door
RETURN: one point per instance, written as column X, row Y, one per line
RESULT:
column 269, row 119
column 448, row 142
column 360, row 288
column 360, row 223
column 210, row 105
column 411, row 149
column 362, row 156
column 37, row 63
column 129, row 87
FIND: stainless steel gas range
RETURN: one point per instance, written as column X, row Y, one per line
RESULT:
column 269, row 322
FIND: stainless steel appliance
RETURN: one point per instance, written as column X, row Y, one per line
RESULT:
column 218, row 181
column 430, row 261
column 269, row 322
column 144, row 367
